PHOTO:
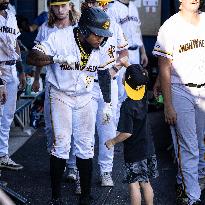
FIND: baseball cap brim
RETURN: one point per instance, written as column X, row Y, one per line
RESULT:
column 135, row 94
column 58, row 3
column 100, row 32
column 104, row 1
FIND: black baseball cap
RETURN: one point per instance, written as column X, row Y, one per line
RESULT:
column 136, row 80
column 96, row 20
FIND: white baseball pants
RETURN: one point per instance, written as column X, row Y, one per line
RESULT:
column 72, row 115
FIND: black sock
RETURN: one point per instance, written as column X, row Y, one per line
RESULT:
column 57, row 166
column 85, row 168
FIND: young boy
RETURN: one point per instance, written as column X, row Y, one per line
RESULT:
column 134, row 131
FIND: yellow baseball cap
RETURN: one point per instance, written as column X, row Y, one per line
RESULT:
column 104, row 1
column 136, row 80
column 58, row 2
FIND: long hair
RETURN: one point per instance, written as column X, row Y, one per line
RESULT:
column 73, row 16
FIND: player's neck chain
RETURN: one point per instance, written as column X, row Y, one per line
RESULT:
column 84, row 55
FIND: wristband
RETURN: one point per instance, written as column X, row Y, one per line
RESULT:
column 115, row 68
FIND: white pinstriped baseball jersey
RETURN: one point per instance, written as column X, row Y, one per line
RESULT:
column 114, row 44
column 184, row 44
column 74, row 81
column 8, row 35
column 128, row 18
column 44, row 31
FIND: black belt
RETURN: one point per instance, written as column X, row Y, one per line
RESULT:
column 132, row 48
column 194, row 85
column 96, row 81
column 11, row 62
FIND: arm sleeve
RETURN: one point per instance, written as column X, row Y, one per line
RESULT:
column 104, row 80
column 41, row 34
column 112, row 13
column 18, row 33
column 122, row 43
column 164, row 45
column 47, row 46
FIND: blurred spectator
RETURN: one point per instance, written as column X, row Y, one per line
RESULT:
column 24, row 25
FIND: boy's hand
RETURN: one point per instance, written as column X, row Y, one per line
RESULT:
column 109, row 144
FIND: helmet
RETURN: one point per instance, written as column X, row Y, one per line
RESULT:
column 94, row 20
column 58, row 2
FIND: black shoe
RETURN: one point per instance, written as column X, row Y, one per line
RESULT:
column 56, row 202
column 86, row 200
column 7, row 163
column 197, row 203
column 181, row 197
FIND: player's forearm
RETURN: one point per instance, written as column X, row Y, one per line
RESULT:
column 165, row 80
column 122, row 54
column 120, row 138
column 142, row 50
column 37, row 73
column 19, row 67
column 38, row 58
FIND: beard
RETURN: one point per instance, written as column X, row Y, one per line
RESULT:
column 4, row 6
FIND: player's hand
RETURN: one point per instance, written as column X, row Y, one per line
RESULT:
column 157, row 88
column 70, row 60
column 144, row 60
column 170, row 115
column 36, row 85
column 122, row 62
column 3, row 94
column 107, row 113
column 109, row 144
column 22, row 80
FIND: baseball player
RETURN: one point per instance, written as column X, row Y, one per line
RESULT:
column 115, row 48
column 9, row 54
column 55, row 22
column 75, row 62
column 126, row 14
column 182, row 71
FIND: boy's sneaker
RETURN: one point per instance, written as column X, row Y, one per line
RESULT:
column 181, row 197
column 72, row 174
column 106, row 179
column 7, row 163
